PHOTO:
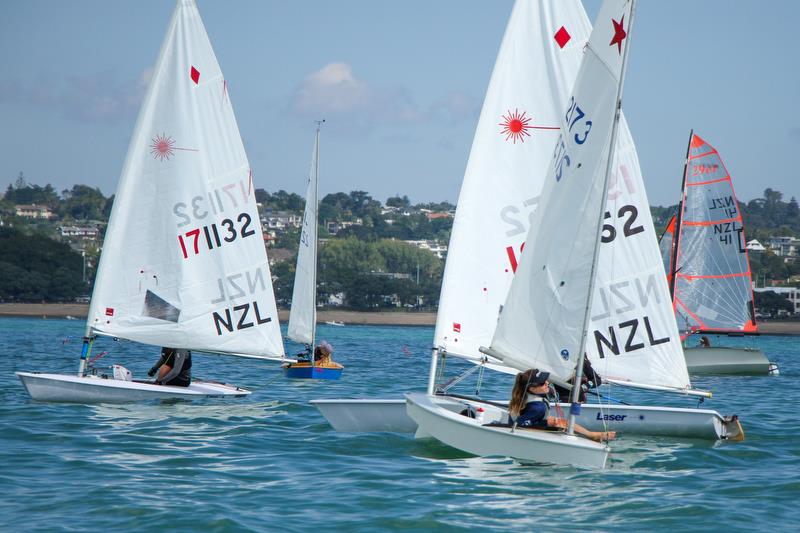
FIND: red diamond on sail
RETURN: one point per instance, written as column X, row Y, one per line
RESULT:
column 109, row 311
column 562, row 37
column 195, row 74
column 456, row 327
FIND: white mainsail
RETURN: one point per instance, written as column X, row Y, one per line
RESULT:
column 183, row 262
column 632, row 333
column 484, row 250
column 543, row 322
column 513, row 145
column 303, row 316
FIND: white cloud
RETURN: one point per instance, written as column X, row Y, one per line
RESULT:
column 335, row 92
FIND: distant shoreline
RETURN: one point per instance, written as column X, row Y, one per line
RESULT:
column 388, row 318
column 358, row 318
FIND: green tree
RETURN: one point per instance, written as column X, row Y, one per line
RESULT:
column 35, row 268
column 84, row 203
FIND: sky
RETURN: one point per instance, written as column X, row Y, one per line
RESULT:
column 399, row 83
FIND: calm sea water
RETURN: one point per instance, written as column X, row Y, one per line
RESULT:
column 270, row 462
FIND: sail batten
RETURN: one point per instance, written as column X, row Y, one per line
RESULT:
column 184, row 262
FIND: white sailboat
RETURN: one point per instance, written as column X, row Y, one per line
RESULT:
column 708, row 267
column 546, row 315
column 544, row 41
column 303, row 315
column 183, row 262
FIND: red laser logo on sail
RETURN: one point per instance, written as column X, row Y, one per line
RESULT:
column 516, row 125
column 163, row 147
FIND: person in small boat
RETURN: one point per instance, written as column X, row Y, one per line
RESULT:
column 174, row 368
column 704, row 342
column 322, row 355
column 530, row 409
column 589, row 380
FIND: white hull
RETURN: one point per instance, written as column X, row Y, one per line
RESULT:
column 721, row 360
column 95, row 389
column 469, row 435
column 365, row 415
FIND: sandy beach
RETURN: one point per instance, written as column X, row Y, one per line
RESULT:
column 347, row 317
column 389, row 318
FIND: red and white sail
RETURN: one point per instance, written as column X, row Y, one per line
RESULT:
column 490, row 229
column 667, row 245
column 544, row 320
column 513, row 145
column 712, row 289
column 183, row 261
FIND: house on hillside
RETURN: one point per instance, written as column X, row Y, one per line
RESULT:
column 33, row 211
column 786, row 247
column 90, row 233
column 338, row 225
column 755, row 246
column 438, row 249
column 281, row 220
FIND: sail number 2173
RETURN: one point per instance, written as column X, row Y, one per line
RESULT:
column 578, row 127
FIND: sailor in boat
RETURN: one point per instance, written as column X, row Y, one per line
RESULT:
column 530, row 408
column 589, row 380
column 174, row 368
column 322, row 356
column 704, row 342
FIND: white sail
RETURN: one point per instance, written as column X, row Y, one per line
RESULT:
column 544, row 319
column 303, row 316
column 513, row 145
column 183, row 261
column 632, row 334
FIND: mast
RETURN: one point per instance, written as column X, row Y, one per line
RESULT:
column 316, row 242
column 576, row 382
column 678, row 217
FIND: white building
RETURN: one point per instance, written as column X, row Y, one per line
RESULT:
column 790, row 293
column 79, row 232
column 281, row 220
column 438, row 249
column 755, row 246
column 33, row 211
column 784, row 246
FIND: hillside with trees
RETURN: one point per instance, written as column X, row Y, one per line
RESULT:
column 363, row 259
column 35, row 268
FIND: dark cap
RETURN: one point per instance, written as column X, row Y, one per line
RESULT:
column 538, row 378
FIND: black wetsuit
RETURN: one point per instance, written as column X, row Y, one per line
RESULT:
column 180, row 361
column 590, row 380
